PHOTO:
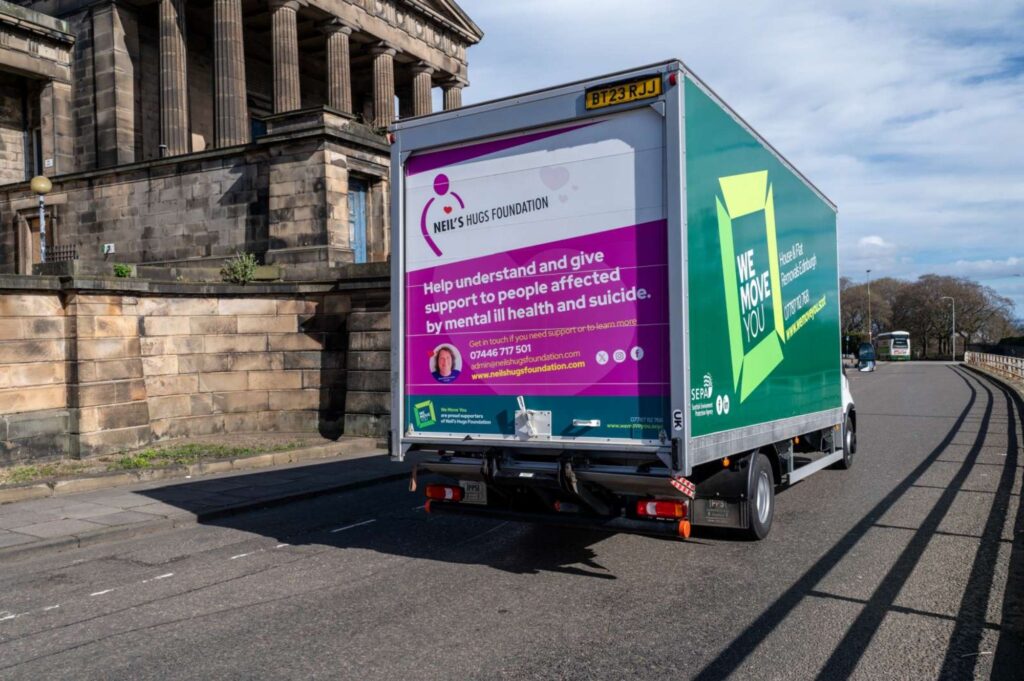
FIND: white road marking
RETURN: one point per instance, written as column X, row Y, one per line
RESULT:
column 349, row 527
column 5, row 615
column 241, row 555
column 147, row 581
column 281, row 546
column 100, row 593
column 51, row 607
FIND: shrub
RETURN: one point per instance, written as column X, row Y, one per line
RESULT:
column 122, row 271
column 239, row 269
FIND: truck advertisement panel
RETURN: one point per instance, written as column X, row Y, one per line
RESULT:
column 762, row 277
column 535, row 267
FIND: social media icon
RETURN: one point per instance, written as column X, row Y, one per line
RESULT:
column 637, row 353
column 602, row 357
column 620, row 355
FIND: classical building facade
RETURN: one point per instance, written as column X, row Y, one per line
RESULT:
column 181, row 133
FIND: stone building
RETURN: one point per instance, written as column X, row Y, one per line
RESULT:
column 179, row 133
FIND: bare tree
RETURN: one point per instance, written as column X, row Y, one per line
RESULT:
column 922, row 308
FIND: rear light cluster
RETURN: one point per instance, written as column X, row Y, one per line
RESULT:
column 653, row 508
column 667, row 510
column 444, row 492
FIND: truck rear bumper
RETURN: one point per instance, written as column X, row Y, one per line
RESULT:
column 618, row 479
column 661, row 528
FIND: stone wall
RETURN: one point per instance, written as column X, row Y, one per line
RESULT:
column 242, row 364
column 33, row 375
column 92, row 367
column 83, row 105
column 285, row 195
column 12, row 126
column 200, row 90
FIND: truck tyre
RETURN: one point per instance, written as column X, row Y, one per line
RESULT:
column 760, row 497
column 849, row 444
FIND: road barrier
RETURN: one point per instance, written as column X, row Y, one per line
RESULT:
column 1004, row 365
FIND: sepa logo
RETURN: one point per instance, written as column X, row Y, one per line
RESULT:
column 440, row 219
column 750, row 274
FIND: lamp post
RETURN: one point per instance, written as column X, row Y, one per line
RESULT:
column 952, row 336
column 869, row 304
column 41, row 185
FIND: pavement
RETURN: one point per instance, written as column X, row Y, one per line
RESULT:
column 67, row 522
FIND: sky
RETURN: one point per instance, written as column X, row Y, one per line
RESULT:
column 908, row 114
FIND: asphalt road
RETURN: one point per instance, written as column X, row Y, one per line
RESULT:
column 897, row 569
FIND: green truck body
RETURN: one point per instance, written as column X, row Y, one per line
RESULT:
column 604, row 291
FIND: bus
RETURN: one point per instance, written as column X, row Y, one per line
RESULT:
column 893, row 346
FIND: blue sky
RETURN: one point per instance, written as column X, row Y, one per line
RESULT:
column 909, row 115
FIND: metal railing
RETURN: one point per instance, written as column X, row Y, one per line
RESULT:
column 61, row 253
column 1003, row 365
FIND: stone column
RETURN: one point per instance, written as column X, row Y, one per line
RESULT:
column 286, row 55
column 453, row 93
column 383, row 85
column 115, row 34
column 174, row 133
column 339, row 67
column 422, row 103
column 231, row 110
column 58, row 130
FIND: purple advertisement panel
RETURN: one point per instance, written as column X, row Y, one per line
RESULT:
column 585, row 315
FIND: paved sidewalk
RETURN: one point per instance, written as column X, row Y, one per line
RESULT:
column 62, row 523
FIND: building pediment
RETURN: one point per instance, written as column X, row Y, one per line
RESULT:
column 449, row 14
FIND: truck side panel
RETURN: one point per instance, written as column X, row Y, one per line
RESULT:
column 762, row 272
column 536, row 266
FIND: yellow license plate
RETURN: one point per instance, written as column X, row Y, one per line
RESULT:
column 620, row 93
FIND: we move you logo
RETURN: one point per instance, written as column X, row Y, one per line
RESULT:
column 750, row 272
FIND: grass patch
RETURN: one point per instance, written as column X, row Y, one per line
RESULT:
column 18, row 475
column 186, row 454
column 153, row 457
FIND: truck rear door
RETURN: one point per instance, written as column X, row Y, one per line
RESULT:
column 535, row 281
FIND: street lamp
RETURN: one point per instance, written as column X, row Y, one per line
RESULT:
column 952, row 337
column 41, row 185
column 869, row 304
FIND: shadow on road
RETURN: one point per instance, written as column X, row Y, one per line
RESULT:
column 533, row 550
column 354, row 488
column 961, row 655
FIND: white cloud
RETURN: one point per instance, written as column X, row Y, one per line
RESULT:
column 874, row 242
column 906, row 114
column 990, row 269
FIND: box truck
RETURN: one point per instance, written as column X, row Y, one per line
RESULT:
column 613, row 305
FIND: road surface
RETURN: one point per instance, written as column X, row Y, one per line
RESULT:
column 899, row 568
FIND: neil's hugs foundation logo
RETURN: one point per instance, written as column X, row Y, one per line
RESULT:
column 439, row 212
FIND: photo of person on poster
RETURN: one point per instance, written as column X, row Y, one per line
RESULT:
column 445, row 364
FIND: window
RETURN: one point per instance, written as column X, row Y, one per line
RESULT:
column 258, row 127
column 357, row 191
column 33, row 153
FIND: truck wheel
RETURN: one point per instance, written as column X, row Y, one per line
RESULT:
column 849, row 444
column 760, row 497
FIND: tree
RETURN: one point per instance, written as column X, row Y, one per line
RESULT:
column 923, row 309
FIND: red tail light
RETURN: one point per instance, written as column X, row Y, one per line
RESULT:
column 653, row 508
column 444, row 492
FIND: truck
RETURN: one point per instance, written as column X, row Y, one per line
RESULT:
column 613, row 305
